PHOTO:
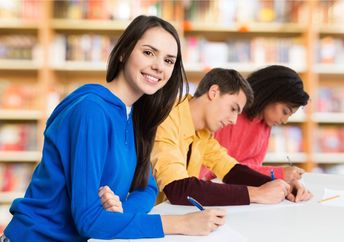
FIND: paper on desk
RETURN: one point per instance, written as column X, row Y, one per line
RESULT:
column 336, row 202
column 225, row 233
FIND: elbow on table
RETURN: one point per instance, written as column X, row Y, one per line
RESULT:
column 176, row 199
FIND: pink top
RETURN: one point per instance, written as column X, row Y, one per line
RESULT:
column 246, row 141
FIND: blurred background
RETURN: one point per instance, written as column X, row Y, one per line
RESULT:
column 49, row 48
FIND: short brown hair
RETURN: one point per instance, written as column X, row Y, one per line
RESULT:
column 229, row 82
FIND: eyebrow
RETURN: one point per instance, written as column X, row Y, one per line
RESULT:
column 156, row 50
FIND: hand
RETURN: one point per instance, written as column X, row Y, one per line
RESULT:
column 270, row 192
column 198, row 223
column 292, row 173
column 298, row 192
column 109, row 200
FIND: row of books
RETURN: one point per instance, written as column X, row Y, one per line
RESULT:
column 15, row 177
column 18, row 136
column 331, row 50
column 329, row 139
column 289, row 139
column 330, row 99
column 114, row 9
column 330, row 11
column 221, row 11
column 244, row 11
column 96, row 48
column 21, row 95
column 286, row 139
column 17, row 95
column 90, row 48
column 256, row 50
column 20, row 9
column 18, row 47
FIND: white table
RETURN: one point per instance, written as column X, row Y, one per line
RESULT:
column 284, row 222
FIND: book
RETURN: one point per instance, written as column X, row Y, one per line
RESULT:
column 330, row 139
column 286, row 139
column 18, row 136
column 17, row 95
column 16, row 177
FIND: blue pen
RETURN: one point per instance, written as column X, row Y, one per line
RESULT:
column 272, row 173
column 195, row 203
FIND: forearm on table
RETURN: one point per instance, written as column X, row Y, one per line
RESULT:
column 243, row 175
column 206, row 192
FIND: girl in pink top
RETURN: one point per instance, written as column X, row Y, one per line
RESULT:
column 278, row 93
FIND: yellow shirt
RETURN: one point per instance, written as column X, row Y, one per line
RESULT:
column 169, row 154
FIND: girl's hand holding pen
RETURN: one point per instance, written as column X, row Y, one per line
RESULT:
column 292, row 173
column 197, row 223
column 109, row 200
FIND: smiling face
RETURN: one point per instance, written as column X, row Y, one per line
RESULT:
column 223, row 109
column 151, row 62
column 277, row 113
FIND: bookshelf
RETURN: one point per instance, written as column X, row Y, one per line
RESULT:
column 21, row 114
column 303, row 35
column 328, row 115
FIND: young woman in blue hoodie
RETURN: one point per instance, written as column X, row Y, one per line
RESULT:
column 103, row 135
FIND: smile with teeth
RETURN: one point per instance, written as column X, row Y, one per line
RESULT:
column 151, row 79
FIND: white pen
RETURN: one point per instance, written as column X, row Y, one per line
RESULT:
column 290, row 163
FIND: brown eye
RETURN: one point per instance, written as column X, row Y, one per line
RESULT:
column 169, row 61
column 147, row 52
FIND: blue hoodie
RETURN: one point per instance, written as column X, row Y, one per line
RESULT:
column 89, row 142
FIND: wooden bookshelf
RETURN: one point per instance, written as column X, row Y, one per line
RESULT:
column 20, row 156
column 76, row 66
column 49, row 75
column 17, row 25
column 8, row 197
column 241, row 67
column 22, row 65
column 89, row 25
column 327, row 117
column 20, row 114
column 297, row 158
column 281, row 28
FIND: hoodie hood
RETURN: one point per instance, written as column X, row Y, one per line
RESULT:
column 94, row 89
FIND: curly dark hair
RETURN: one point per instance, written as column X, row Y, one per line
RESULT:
column 275, row 84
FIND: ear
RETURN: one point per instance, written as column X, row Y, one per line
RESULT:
column 213, row 91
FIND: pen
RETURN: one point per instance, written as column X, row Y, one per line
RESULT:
column 272, row 174
column 329, row 198
column 290, row 163
column 195, row 203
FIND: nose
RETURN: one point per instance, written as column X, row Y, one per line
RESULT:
column 284, row 120
column 157, row 65
column 233, row 119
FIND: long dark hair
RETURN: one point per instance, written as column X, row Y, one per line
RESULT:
column 149, row 110
column 275, row 84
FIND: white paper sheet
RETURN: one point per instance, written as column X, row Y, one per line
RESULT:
column 225, row 233
column 335, row 202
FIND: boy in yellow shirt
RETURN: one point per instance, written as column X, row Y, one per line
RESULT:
column 184, row 141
